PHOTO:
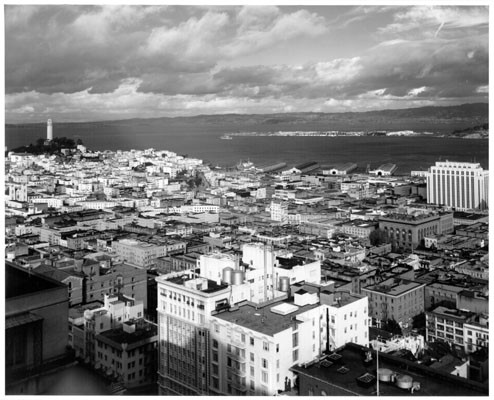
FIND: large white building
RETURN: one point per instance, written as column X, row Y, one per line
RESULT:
column 254, row 346
column 279, row 211
column 186, row 301
column 185, row 304
column 458, row 184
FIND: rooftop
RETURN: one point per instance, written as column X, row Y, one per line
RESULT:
column 409, row 217
column 432, row 383
column 119, row 336
column 262, row 319
column 394, row 286
column 21, row 281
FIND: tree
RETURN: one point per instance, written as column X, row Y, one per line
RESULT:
column 392, row 327
column 418, row 322
column 378, row 237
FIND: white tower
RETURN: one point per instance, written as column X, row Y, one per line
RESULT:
column 49, row 130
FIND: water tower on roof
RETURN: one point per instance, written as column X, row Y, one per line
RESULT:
column 49, row 130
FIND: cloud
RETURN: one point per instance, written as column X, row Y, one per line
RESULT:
column 72, row 48
column 430, row 21
column 107, row 62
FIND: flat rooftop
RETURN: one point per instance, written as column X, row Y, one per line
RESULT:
column 394, row 286
column 262, row 319
column 119, row 336
column 21, row 281
column 431, row 384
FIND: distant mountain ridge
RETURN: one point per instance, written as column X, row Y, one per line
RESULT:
column 445, row 119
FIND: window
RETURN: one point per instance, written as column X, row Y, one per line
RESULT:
column 277, row 347
column 264, row 377
column 252, row 385
column 251, row 370
column 242, row 338
column 264, row 363
column 265, row 346
column 252, row 357
column 295, row 339
column 252, row 341
column 295, row 355
column 278, row 364
column 215, row 343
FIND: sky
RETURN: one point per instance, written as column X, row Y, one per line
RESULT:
column 87, row 63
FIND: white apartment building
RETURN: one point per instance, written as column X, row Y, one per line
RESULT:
column 458, row 184
column 138, row 253
column 476, row 333
column 279, row 211
column 254, row 346
column 346, row 316
column 116, row 310
column 462, row 329
column 185, row 304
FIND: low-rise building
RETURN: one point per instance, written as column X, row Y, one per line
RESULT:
column 396, row 299
column 463, row 330
column 129, row 353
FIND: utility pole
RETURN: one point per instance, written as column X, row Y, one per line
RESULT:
column 377, row 367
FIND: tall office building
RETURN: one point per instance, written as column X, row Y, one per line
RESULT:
column 460, row 185
column 279, row 211
column 49, row 130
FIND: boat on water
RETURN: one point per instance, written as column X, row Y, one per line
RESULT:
column 226, row 137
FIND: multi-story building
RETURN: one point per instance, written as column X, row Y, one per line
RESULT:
column 460, row 185
column 129, row 353
column 104, row 276
column 357, row 227
column 139, row 253
column 36, row 332
column 464, row 330
column 279, row 211
column 185, row 303
column 395, row 299
column 115, row 311
column 346, row 317
column 476, row 333
column 253, row 348
column 406, row 231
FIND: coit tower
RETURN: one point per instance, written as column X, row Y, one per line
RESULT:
column 49, row 130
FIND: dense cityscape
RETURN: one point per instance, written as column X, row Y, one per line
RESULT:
column 159, row 274
column 246, row 200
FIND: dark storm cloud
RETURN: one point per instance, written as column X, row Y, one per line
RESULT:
column 70, row 48
column 152, row 60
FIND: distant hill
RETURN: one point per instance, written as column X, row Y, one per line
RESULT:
column 475, row 132
column 444, row 120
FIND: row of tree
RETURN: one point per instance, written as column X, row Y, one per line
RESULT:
column 43, row 146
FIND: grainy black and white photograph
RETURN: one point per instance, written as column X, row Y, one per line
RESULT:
column 246, row 200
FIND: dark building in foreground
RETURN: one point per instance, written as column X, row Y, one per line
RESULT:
column 36, row 328
column 346, row 373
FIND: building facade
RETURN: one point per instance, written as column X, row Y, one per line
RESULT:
column 395, row 299
column 407, row 231
column 460, row 185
